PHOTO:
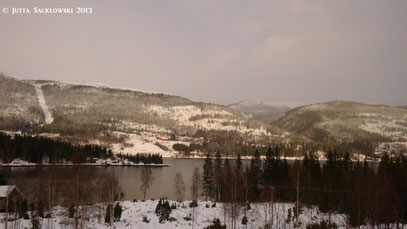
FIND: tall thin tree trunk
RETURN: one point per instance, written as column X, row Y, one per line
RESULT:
column 297, row 224
column 272, row 207
column 77, row 198
column 111, row 206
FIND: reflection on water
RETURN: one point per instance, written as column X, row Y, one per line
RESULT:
column 129, row 177
column 163, row 184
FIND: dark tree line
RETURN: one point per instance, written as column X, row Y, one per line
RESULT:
column 150, row 158
column 368, row 194
column 37, row 149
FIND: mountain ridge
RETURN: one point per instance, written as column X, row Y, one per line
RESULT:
column 119, row 118
column 130, row 120
column 346, row 120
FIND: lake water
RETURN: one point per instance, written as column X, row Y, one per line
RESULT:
column 163, row 184
column 128, row 177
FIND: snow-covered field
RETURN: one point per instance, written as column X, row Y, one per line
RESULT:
column 133, row 213
column 135, row 143
column 138, row 144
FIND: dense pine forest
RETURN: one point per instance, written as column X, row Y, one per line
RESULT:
column 365, row 193
column 37, row 149
column 150, row 158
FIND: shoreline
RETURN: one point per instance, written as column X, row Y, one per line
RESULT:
column 161, row 165
column 82, row 165
column 262, row 158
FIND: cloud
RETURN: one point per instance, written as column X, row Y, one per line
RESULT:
column 292, row 52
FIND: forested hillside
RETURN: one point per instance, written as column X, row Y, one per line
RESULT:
column 127, row 120
column 131, row 121
column 19, row 109
column 341, row 121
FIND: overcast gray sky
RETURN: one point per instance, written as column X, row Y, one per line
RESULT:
column 278, row 52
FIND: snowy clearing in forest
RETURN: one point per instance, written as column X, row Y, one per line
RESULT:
column 135, row 143
column 209, row 119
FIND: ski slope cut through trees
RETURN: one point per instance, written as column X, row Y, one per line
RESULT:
column 41, row 100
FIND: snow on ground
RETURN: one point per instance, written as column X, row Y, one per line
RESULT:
column 210, row 119
column 393, row 129
column 359, row 157
column 11, row 133
column 41, row 100
column 184, row 113
column 390, row 147
column 97, row 162
column 135, row 143
column 134, row 126
column 18, row 162
column 65, row 84
column 49, row 135
column 133, row 213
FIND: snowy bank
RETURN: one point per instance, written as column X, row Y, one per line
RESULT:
column 142, row 215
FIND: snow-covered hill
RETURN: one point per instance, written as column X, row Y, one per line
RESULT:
column 115, row 106
column 19, row 108
column 93, row 113
column 339, row 121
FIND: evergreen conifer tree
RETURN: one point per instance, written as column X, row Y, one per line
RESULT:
column 255, row 176
column 207, row 177
column 239, row 164
column 218, row 177
column 117, row 212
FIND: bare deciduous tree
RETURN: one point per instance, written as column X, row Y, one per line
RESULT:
column 79, row 191
column 113, row 188
column 52, row 183
column 195, row 190
column 179, row 187
column 232, row 205
column 196, row 184
column 146, row 180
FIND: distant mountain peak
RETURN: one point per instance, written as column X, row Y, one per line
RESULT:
column 259, row 111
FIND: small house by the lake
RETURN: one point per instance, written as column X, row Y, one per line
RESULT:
column 9, row 195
